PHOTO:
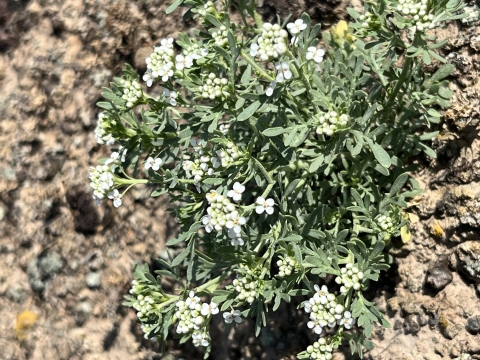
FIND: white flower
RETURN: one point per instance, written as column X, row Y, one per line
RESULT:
column 207, row 221
column 192, row 300
column 237, row 241
column 270, row 88
column 294, row 40
column 315, row 325
column 236, row 222
column 284, row 72
column 237, row 191
column 199, row 338
column 148, row 77
column 224, row 128
column 116, row 197
column 347, row 320
column 234, row 315
column 153, row 164
column 315, row 54
column 264, row 205
column 171, row 96
column 209, row 309
column 165, row 72
column 321, row 294
column 167, row 42
column 296, row 27
column 183, row 62
column 254, row 49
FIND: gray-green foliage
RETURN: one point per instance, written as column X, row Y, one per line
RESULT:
column 329, row 143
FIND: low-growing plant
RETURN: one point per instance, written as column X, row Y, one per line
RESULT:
column 286, row 162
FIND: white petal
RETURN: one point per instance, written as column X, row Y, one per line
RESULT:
column 270, row 202
column 259, row 209
column 260, row 201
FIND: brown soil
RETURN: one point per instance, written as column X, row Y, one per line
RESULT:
column 70, row 261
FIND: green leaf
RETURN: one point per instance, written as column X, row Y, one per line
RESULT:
column 315, row 165
column 213, row 20
column 180, row 257
column 173, row 6
column 249, row 111
column 380, row 154
column 275, row 131
column 398, row 184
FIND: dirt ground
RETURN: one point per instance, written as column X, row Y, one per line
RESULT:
column 69, row 261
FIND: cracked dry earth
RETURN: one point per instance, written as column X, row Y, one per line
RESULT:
column 69, row 262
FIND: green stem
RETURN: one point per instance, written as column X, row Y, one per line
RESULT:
column 398, row 86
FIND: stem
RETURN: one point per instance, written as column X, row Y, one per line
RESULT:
column 252, row 62
column 210, row 286
column 400, row 82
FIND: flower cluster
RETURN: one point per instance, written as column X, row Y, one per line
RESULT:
column 418, row 11
column 271, row 44
column 229, row 154
column 160, row 63
column 194, row 52
column 102, row 181
column 286, row 266
column 366, row 19
column 222, row 213
column 204, row 165
column 103, row 131
column 386, row 223
column 247, row 285
column 351, row 278
column 208, row 8
column 320, row 350
column 220, row 36
column 194, row 316
column 325, row 311
column 132, row 92
column 215, row 87
column 144, row 302
column 330, row 122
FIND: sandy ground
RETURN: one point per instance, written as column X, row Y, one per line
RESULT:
column 69, row 262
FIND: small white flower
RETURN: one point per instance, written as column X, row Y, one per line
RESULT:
column 116, row 197
column 294, row 41
column 192, row 300
column 254, row 49
column 148, row 77
column 264, row 205
column 321, row 294
column 315, row 325
column 209, row 309
column 347, row 320
column 153, row 164
column 284, row 72
column 237, row 241
column 234, row 315
column 183, row 62
column 167, row 42
column 296, row 27
column 207, row 221
column 237, row 191
column 171, row 96
column 270, row 88
column 315, row 54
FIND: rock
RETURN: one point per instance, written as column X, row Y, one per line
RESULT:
column 93, row 280
column 468, row 255
column 438, row 275
column 41, row 269
column 422, row 320
column 50, row 264
column 473, row 324
column 411, row 325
